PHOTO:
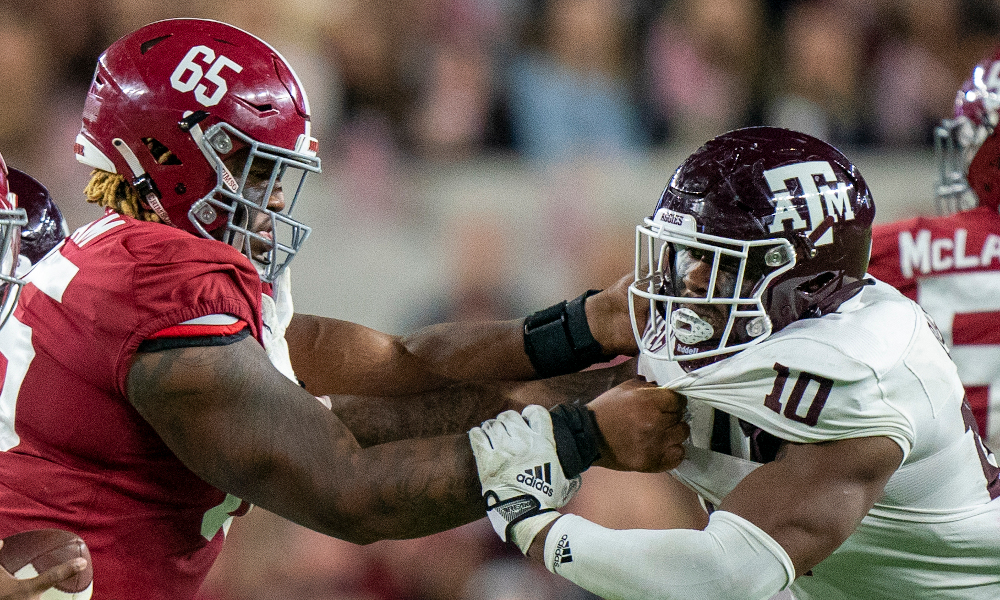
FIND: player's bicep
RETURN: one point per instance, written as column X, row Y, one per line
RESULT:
column 338, row 357
column 813, row 496
column 228, row 414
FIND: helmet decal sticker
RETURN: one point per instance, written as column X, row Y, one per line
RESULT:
column 829, row 198
column 193, row 81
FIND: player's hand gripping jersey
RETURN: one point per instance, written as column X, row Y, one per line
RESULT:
column 875, row 367
column 76, row 454
column 829, row 431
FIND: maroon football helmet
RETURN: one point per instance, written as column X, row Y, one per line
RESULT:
column 781, row 221
column 12, row 218
column 45, row 227
column 205, row 91
column 968, row 151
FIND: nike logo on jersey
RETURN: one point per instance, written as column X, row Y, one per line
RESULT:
column 926, row 254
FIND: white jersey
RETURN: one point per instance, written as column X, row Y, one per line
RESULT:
column 874, row 368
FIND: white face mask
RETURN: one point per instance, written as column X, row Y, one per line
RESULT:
column 686, row 260
column 698, row 288
column 11, row 221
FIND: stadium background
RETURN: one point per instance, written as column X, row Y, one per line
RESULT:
column 485, row 158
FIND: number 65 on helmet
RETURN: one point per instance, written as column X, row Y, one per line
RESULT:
column 174, row 99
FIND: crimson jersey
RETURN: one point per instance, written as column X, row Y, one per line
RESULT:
column 951, row 267
column 76, row 454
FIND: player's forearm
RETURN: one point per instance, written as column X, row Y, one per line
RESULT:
column 564, row 338
column 337, row 357
column 416, row 488
column 730, row 559
column 331, row 356
column 390, row 491
column 457, row 408
column 583, row 386
column 473, row 351
column 450, row 410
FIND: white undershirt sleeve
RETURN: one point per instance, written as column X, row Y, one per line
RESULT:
column 731, row 559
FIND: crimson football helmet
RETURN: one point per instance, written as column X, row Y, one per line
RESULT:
column 968, row 151
column 779, row 223
column 12, row 218
column 205, row 91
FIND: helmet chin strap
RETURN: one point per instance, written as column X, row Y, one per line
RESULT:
column 845, row 293
column 141, row 180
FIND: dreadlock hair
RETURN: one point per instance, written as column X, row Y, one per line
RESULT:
column 111, row 190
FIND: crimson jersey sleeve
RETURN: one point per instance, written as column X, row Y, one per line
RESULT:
column 884, row 263
column 75, row 453
column 125, row 286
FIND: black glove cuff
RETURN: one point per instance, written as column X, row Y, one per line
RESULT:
column 558, row 340
column 514, row 510
column 577, row 437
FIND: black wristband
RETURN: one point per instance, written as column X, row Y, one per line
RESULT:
column 558, row 340
column 577, row 437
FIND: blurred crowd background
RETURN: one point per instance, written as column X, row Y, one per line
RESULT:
column 487, row 158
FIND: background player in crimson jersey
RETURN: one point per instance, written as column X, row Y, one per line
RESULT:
column 18, row 234
column 950, row 264
column 148, row 391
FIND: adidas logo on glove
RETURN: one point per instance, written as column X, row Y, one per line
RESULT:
column 540, row 478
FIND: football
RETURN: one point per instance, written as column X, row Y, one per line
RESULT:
column 29, row 553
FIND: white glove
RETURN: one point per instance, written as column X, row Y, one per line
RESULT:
column 523, row 483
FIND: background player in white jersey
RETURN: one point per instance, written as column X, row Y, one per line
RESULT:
column 950, row 264
column 830, row 437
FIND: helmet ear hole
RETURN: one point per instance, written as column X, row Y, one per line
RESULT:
column 160, row 153
column 817, row 283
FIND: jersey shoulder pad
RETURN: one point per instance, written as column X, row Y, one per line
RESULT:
column 820, row 379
